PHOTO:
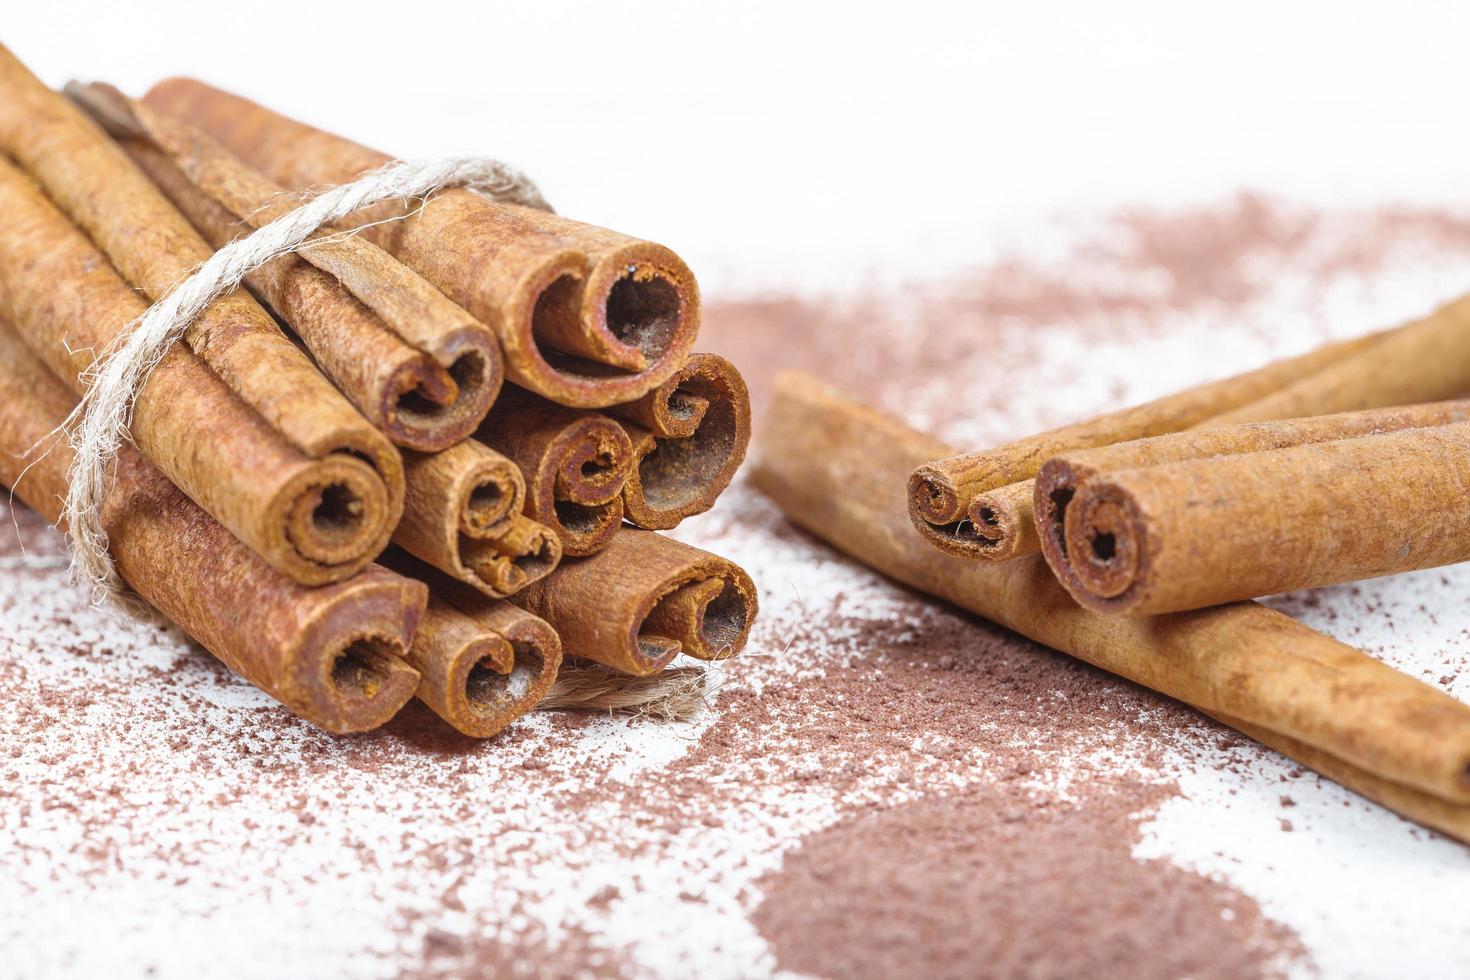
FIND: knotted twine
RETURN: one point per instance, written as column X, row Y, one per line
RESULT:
column 99, row 424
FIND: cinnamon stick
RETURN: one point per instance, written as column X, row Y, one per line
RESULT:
column 419, row 367
column 838, row 469
column 154, row 247
column 331, row 654
column 1057, row 483
column 315, row 518
column 575, row 464
column 961, row 504
column 483, row 662
column 689, row 436
column 1181, row 535
column 642, row 600
column 462, row 515
column 585, row 316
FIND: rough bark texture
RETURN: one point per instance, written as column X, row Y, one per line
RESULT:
column 585, row 316
column 642, row 600
column 331, row 654
column 838, row 469
column 689, row 437
column 1056, row 485
column 1184, row 535
column 419, row 367
column 316, row 519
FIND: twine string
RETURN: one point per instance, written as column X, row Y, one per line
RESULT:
column 100, row 422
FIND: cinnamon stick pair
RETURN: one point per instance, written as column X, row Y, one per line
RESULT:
column 419, row 367
column 585, row 317
column 1199, row 518
column 240, row 420
column 838, row 469
column 979, row 505
column 332, row 655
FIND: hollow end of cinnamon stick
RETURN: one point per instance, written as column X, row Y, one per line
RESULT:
column 1105, row 537
column 431, row 410
column 335, row 513
column 525, row 552
column 700, row 430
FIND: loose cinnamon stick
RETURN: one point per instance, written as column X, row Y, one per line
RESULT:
column 331, row 654
column 945, row 496
column 839, row 469
column 315, row 518
column 585, row 316
column 689, row 436
column 1057, row 484
column 575, row 464
column 484, row 662
column 419, row 367
column 462, row 515
column 1424, row 360
column 644, row 598
column 1183, row 535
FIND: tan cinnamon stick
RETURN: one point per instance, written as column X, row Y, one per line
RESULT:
column 419, row 367
column 942, row 493
column 462, row 515
column 575, row 464
column 329, row 654
column 689, row 436
column 585, row 316
column 484, row 662
column 315, row 518
column 1425, row 360
column 839, row 470
column 642, row 600
column 1057, row 484
column 1198, row 532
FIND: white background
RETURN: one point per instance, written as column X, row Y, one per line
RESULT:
column 807, row 145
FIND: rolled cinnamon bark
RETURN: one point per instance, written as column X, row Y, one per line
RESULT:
column 462, row 515
column 331, row 654
column 585, row 316
column 1057, row 484
column 1424, row 360
column 689, row 436
column 838, row 469
column 642, row 600
column 1196, row 533
column 483, row 662
column 575, row 464
column 316, row 518
column 420, row 368
column 945, row 501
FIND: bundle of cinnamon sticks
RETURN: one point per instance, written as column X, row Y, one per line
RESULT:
column 429, row 454
column 1135, row 540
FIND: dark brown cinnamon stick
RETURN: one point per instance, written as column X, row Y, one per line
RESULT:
column 419, row 367
column 331, row 654
column 839, row 469
column 575, row 464
column 585, row 316
column 642, row 600
column 689, row 436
